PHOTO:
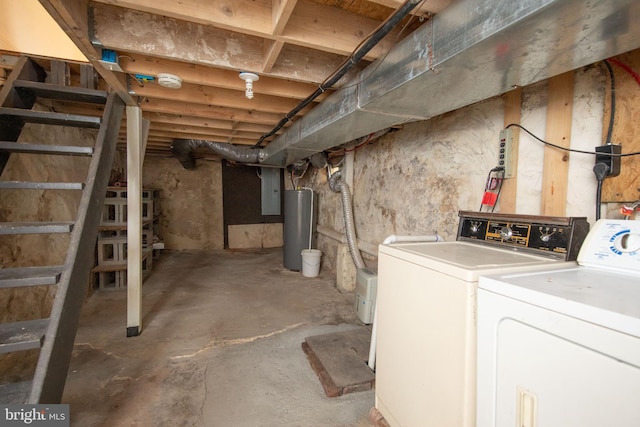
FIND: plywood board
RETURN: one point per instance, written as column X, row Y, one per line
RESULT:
column 339, row 360
column 626, row 186
column 251, row 236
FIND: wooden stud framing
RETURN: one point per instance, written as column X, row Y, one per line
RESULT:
column 556, row 161
column 512, row 108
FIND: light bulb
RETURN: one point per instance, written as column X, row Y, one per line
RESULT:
column 249, row 78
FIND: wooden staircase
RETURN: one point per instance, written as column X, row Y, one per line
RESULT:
column 53, row 336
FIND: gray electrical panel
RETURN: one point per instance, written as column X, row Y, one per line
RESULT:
column 270, row 186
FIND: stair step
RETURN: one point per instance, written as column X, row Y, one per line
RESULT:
column 19, row 147
column 20, row 336
column 30, row 276
column 65, row 93
column 35, row 227
column 15, row 393
column 12, row 185
column 50, row 118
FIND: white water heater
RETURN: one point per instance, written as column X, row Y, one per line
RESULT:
column 366, row 290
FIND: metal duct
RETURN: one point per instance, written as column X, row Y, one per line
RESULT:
column 182, row 149
column 471, row 51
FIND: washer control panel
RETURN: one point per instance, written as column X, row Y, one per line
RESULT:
column 557, row 237
column 613, row 244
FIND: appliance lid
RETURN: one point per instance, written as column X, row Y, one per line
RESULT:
column 595, row 295
column 466, row 261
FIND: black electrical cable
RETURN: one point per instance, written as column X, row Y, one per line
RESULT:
column 355, row 57
column 600, row 170
column 635, row 153
column 613, row 102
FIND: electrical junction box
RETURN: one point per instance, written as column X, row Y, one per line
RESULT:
column 366, row 290
column 609, row 154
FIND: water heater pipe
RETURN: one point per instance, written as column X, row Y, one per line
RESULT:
column 311, row 220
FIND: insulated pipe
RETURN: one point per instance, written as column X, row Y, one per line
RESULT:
column 338, row 186
column 374, row 329
column 183, row 149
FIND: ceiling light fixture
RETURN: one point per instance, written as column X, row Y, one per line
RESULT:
column 249, row 78
column 170, row 81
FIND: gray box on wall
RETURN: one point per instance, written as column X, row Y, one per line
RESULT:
column 270, row 187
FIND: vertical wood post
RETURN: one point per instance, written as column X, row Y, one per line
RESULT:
column 556, row 162
column 135, row 146
column 512, row 109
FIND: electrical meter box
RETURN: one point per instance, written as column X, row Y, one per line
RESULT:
column 366, row 290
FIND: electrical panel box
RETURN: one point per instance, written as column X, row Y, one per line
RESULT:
column 507, row 157
column 366, row 291
column 270, row 188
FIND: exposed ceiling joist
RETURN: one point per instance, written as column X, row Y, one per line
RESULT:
column 293, row 45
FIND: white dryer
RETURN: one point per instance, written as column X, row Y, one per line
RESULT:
column 562, row 348
column 425, row 371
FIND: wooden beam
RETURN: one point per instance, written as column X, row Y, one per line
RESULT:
column 272, row 49
column 431, row 6
column 72, row 16
column 133, row 63
column 512, row 109
column 556, row 161
column 207, row 123
column 163, row 127
column 170, row 136
column 332, row 30
column 205, row 95
column 209, row 112
column 320, row 27
column 255, row 16
column 164, row 37
column 281, row 11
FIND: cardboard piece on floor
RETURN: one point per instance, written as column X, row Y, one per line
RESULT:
column 340, row 361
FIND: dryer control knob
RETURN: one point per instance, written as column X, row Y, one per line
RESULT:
column 506, row 233
column 628, row 242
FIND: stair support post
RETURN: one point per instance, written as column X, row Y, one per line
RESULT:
column 137, row 128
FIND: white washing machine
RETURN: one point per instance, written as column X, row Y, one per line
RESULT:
column 562, row 348
column 426, row 334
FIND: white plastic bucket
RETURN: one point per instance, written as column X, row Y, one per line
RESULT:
column 311, row 262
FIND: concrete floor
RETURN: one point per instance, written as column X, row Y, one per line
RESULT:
column 220, row 346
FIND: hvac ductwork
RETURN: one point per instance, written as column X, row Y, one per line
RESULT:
column 182, row 149
column 471, row 51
